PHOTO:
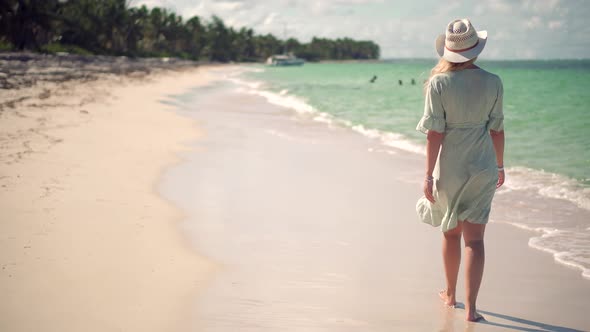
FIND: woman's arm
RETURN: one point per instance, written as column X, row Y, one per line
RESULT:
column 433, row 142
column 498, row 140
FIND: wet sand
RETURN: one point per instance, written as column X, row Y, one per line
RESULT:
column 313, row 228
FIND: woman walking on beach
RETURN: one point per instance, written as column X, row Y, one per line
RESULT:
column 463, row 119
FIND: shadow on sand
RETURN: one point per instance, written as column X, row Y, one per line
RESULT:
column 532, row 325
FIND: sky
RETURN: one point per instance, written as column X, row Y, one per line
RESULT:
column 517, row 29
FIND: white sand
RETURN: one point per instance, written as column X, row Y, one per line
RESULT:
column 85, row 242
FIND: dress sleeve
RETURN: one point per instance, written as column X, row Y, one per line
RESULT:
column 434, row 113
column 496, row 121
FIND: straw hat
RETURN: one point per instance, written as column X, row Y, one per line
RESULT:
column 461, row 42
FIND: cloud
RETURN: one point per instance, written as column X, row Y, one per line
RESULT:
column 554, row 25
column 269, row 18
column 330, row 7
column 193, row 10
column 533, row 23
column 408, row 28
column 540, row 6
column 227, row 5
column 500, row 6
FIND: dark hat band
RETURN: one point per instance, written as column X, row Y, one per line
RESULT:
column 463, row 50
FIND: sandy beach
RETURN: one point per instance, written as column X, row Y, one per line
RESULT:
column 313, row 227
column 179, row 201
column 86, row 243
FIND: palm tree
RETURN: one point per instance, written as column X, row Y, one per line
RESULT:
column 218, row 40
column 112, row 27
column 27, row 23
column 196, row 37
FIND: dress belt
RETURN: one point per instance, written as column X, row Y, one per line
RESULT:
column 466, row 125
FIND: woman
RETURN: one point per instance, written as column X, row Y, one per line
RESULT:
column 463, row 119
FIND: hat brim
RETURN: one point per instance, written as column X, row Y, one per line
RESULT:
column 460, row 57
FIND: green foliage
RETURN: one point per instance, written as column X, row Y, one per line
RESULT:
column 54, row 48
column 6, row 46
column 27, row 23
column 111, row 27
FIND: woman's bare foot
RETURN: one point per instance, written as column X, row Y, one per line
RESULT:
column 475, row 317
column 447, row 298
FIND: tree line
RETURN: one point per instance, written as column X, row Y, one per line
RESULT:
column 113, row 27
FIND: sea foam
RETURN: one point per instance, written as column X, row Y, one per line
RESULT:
column 559, row 242
column 300, row 105
column 549, row 185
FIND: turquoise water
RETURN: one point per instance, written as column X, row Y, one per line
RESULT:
column 547, row 117
column 546, row 104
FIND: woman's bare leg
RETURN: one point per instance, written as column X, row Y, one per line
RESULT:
column 451, row 249
column 474, row 263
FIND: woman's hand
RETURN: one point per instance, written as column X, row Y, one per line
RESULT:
column 501, row 178
column 428, row 182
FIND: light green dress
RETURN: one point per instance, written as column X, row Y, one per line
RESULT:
column 464, row 105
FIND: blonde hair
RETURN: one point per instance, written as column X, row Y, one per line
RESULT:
column 444, row 66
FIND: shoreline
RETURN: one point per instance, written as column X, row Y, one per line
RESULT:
column 87, row 241
column 536, row 194
column 315, row 228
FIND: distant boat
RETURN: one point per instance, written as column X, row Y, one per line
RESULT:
column 284, row 60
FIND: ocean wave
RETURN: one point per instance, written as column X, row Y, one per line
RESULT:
column 568, row 248
column 558, row 242
column 548, row 184
column 519, row 178
column 390, row 139
column 300, row 105
column 240, row 82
